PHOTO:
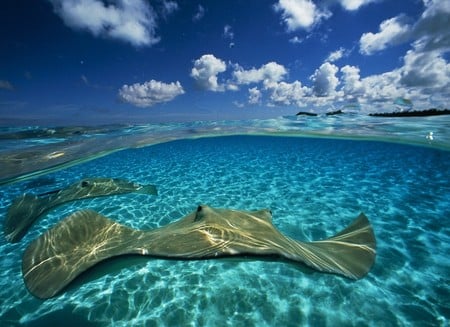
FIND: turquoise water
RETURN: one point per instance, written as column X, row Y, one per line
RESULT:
column 314, row 187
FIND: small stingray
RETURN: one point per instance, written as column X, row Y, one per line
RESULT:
column 85, row 238
column 26, row 209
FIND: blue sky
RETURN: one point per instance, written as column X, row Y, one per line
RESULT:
column 132, row 61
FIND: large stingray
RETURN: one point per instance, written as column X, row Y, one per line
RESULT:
column 85, row 238
column 25, row 209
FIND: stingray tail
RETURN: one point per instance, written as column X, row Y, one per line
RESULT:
column 148, row 189
column 21, row 214
column 350, row 253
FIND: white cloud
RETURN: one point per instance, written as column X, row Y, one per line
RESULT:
column 324, row 80
column 150, row 93
column 383, row 87
column 295, row 40
column 430, row 32
column 130, row 21
column 425, row 69
column 6, row 85
column 239, row 104
column 254, row 95
column 379, row 88
column 392, row 31
column 354, row 4
column 199, row 14
column 289, row 93
column 432, row 29
column 205, row 72
column 423, row 77
column 300, row 14
column 230, row 86
column 352, row 85
column 331, row 85
column 425, row 74
column 336, row 55
column 169, row 7
column 268, row 73
column 228, row 32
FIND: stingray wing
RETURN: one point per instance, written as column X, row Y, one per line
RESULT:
column 85, row 238
column 26, row 209
column 75, row 244
column 350, row 253
column 21, row 214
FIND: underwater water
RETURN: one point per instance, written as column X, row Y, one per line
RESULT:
column 314, row 186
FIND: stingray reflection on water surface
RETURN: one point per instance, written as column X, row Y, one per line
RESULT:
column 27, row 208
column 86, row 238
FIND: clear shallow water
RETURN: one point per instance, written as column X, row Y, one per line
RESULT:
column 315, row 187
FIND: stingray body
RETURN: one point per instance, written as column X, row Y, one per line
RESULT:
column 26, row 209
column 85, row 238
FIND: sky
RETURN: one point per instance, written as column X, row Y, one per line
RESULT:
column 135, row 61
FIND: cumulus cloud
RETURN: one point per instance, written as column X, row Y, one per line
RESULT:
column 304, row 14
column 423, row 77
column 392, row 31
column 205, row 72
column 268, row 73
column 432, row 29
column 354, row 4
column 383, row 87
column 425, row 69
column 375, row 88
column 352, row 85
column 300, row 14
column 324, row 80
column 6, row 85
column 150, row 93
column 289, row 93
column 336, row 55
column 425, row 72
column 254, row 95
column 430, row 32
column 129, row 21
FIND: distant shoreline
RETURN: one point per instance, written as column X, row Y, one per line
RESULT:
column 422, row 113
column 331, row 113
column 417, row 113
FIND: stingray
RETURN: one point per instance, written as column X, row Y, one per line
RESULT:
column 86, row 238
column 26, row 209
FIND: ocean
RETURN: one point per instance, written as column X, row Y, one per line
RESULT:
column 316, row 174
